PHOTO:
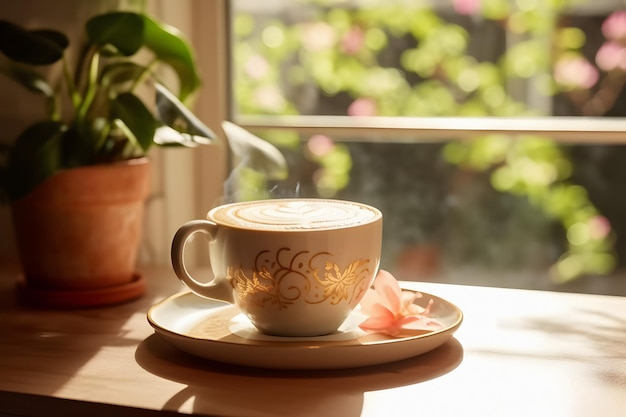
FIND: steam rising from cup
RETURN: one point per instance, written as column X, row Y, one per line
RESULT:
column 248, row 151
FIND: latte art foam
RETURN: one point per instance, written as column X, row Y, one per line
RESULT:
column 294, row 214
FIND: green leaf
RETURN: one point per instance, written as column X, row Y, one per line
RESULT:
column 122, row 30
column 166, row 136
column 257, row 154
column 120, row 73
column 170, row 46
column 136, row 117
column 36, row 47
column 77, row 148
column 175, row 114
column 53, row 36
column 34, row 158
column 35, row 82
column 30, row 79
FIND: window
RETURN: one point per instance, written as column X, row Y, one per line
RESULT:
column 489, row 133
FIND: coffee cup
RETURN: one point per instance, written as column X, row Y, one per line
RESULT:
column 294, row 267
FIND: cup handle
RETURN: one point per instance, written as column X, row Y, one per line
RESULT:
column 218, row 288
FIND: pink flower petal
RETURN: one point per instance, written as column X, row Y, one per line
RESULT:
column 377, row 324
column 380, row 326
column 391, row 310
column 408, row 298
column 426, row 311
column 389, row 290
column 368, row 302
column 382, row 321
column 420, row 323
column 379, row 310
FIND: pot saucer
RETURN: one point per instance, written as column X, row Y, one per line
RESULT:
column 217, row 331
column 81, row 298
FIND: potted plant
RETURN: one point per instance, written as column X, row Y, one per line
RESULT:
column 77, row 179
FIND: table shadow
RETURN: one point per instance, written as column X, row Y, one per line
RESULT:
column 599, row 331
column 217, row 387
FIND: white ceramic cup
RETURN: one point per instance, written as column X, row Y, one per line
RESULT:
column 294, row 267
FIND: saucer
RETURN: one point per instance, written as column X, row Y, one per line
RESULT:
column 218, row 331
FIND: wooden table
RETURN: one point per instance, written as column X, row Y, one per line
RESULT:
column 518, row 353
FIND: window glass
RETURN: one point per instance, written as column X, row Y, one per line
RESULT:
column 515, row 210
column 430, row 58
column 547, row 217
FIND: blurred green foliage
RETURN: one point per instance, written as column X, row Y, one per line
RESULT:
column 391, row 59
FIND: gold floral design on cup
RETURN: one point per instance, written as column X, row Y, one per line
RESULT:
column 293, row 267
column 283, row 279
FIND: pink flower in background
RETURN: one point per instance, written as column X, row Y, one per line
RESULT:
column 392, row 310
column 269, row 98
column 575, row 72
column 466, row 7
column 599, row 227
column 317, row 36
column 353, row 40
column 362, row 106
column 611, row 56
column 320, row 145
column 614, row 27
column 256, row 67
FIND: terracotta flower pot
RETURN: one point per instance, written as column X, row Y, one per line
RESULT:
column 80, row 229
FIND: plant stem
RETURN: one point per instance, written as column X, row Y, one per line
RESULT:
column 144, row 75
column 102, row 137
column 91, row 85
column 71, row 87
column 54, row 108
